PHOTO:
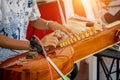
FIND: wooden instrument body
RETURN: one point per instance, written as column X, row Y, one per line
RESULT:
column 95, row 43
column 64, row 58
column 20, row 68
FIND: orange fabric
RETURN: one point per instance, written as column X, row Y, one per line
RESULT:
column 105, row 1
column 78, row 8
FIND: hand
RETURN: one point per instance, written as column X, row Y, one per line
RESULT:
column 50, row 40
column 56, row 26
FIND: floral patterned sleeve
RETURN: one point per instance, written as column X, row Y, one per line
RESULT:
column 35, row 14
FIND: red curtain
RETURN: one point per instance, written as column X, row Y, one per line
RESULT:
column 48, row 11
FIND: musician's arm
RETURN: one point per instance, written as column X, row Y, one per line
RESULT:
column 10, row 43
column 50, row 25
column 40, row 24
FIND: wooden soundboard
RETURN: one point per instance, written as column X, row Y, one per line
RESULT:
column 91, row 42
column 97, row 42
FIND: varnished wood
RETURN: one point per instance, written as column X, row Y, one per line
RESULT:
column 93, row 44
column 64, row 59
column 96, row 43
column 36, row 69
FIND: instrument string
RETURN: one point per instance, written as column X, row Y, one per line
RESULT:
column 49, row 61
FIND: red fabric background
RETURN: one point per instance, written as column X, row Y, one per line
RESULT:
column 48, row 12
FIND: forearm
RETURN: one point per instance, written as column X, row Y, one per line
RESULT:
column 10, row 43
column 40, row 24
column 50, row 25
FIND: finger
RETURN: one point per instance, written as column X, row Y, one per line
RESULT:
column 54, row 44
column 53, row 41
column 67, row 31
column 71, row 32
column 75, row 33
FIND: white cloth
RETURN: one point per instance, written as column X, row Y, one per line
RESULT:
column 114, row 7
column 14, row 18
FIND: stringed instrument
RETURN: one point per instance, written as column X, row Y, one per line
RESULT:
column 93, row 40
column 68, row 52
column 22, row 68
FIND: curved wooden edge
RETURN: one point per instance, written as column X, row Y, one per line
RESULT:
column 38, row 68
column 94, row 44
column 95, row 52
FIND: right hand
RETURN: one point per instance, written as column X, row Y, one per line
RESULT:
column 50, row 40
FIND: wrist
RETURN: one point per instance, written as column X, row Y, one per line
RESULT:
column 48, row 24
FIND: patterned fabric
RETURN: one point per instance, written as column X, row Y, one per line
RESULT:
column 14, row 18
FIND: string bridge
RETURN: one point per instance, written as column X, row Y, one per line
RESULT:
column 70, row 40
